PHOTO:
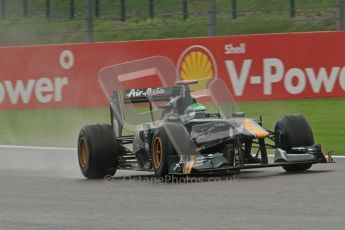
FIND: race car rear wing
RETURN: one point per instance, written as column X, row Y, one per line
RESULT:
column 149, row 95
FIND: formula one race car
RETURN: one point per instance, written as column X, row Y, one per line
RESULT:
column 185, row 127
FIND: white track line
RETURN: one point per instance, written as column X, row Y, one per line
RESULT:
column 35, row 147
column 337, row 156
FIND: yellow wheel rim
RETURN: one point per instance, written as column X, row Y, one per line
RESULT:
column 157, row 152
column 82, row 155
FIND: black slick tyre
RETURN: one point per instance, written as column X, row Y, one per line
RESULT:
column 161, row 149
column 97, row 151
column 293, row 131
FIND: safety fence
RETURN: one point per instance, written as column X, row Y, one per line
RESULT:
column 61, row 21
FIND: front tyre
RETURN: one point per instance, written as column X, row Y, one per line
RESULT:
column 293, row 131
column 161, row 149
column 97, row 151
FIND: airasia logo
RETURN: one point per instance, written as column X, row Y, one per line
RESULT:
column 295, row 79
column 144, row 92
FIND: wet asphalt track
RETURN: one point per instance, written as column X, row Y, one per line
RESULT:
column 43, row 189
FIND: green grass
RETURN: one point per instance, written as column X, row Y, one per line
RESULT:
column 324, row 115
column 47, row 127
column 254, row 17
column 60, row 127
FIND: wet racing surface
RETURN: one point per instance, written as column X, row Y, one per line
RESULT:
column 43, row 189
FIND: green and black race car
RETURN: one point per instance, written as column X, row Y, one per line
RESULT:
column 185, row 127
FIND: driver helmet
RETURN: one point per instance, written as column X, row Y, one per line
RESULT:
column 196, row 110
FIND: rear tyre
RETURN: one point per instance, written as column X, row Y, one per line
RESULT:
column 161, row 149
column 97, row 151
column 293, row 131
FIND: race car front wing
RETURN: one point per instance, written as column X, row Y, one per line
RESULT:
column 218, row 164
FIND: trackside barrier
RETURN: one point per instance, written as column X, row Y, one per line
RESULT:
column 254, row 67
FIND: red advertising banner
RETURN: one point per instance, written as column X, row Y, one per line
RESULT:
column 254, row 67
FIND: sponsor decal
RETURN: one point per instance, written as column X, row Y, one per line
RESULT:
column 132, row 93
column 66, row 59
column 196, row 62
column 235, row 49
column 43, row 90
column 295, row 80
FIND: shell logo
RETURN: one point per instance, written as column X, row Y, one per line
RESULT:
column 196, row 62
